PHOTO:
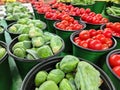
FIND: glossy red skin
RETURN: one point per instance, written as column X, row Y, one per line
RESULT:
column 116, row 70
column 114, row 60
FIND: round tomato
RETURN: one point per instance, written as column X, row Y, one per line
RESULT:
column 92, row 32
column 83, row 35
column 116, row 69
column 95, row 45
column 107, row 33
column 114, row 60
column 84, row 44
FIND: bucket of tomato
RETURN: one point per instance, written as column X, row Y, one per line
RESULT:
column 51, row 17
column 65, row 28
column 112, row 67
column 92, row 20
column 92, row 45
column 30, row 49
column 2, row 37
column 115, row 29
column 84, row 4
column 5, row 74
column 99, row 6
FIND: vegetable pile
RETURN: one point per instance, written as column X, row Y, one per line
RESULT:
column 114, row 28
column 2, row 52
column 1, row 29
column 95, row 40
column 70, row 74
column 82, row 2
column 16, row 11
column 23, row 26
column 114, row 61
column 36, row 45
column 113, row 10
column 69, row 24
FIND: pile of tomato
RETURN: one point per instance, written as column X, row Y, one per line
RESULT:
column 95, row 40
column 114, row 61
column 114, row 28
column 69, row 23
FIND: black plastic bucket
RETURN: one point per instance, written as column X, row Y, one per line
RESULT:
column 95, row 56
column 28, row 83
column 24, row 65
column 5, row 75
column 106, row 67
column 2, row 37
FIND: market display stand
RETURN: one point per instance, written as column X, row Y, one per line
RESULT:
column 16, row 78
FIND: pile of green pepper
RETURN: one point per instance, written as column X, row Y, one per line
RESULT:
column 82, row 2
column 15, row 11
column 1, row 29
column 113, row 10
column 23, row 26
column 37, row 44
column 2, row 52
column 70, row 74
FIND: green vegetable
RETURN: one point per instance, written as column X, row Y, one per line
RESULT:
column 33, row 53
column 56, row 44
column 47, row 36
column 40, row 77
column 2, row 52
column 36, row 88
column 72, row 84
column 87, row 77
column 35, row 32
column 1, row 29
column 23, row 37
column 56, row 75
column 13, row 29
column 44, row 51
column 49, row 85
column 23, row 21
column 37, row 41
column 27, row 44
column 65, row 85
column 30, row 57
column 18, row 45
column 69, row 75
column 69, row 63
column 82, row 2
column 20, row 52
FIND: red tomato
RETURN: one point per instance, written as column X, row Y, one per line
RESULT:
column 95, row 45
column 114, row 60
column 104, row 46
column 109, row 25
column 99, row 31
column 88, row 10
column 84, row 44
column 102, row 38
column 107, row 33
column 109, row 42
column 83, row 35
column 92, row 32
column 116, row 69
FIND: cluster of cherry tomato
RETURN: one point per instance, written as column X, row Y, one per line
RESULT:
column 68, row 23
column 114, row 61
column 114, row 28
column 95, row 40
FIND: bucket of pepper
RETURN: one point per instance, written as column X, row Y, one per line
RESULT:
column 5, row 75
column 112, row 67
column 115, row 29
column 65, row 28
column 92, row 45
column 83, row 4
column 67, row 73
column 30, row 49
column 24, row 26
column 2, row 38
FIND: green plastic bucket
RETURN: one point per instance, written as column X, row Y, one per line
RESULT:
column 5, row 75
column 106, row 67
column 65, row 35
column 35, row 13
column 50, row 26
column 41, row 17
column 99, row 6
column 95, row 56
column 24, row 65
column 116, row 38
column 28, row 82
column 2, row 37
